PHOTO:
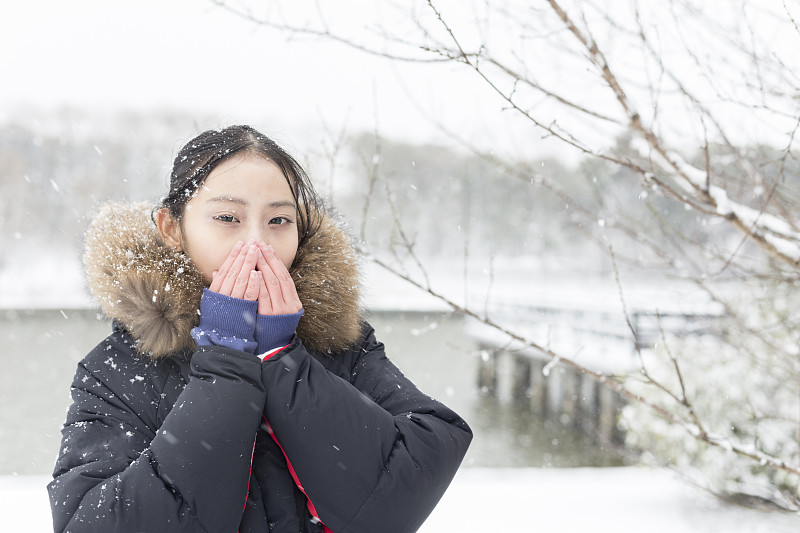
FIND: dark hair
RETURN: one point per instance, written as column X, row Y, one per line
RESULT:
column 201, row 155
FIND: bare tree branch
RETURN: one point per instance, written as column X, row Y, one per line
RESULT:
column 606, row 380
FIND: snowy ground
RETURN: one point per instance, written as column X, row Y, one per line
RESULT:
column 618, row 500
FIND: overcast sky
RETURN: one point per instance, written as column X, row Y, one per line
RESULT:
column 191, row 55
column 195, row 57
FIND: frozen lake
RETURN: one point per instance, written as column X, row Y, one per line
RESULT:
column 40, row 349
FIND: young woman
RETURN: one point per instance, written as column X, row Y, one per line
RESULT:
column 240, row 389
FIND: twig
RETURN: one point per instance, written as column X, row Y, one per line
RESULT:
column 319, row 33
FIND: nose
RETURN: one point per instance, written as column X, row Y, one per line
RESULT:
column 254, row 232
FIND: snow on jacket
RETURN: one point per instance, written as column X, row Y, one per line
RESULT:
column 162, row 435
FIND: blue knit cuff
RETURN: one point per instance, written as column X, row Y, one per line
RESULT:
column 226, row 321
column 273, row 331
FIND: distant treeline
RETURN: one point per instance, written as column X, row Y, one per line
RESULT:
column 447, row 202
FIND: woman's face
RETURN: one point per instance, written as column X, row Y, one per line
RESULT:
column 245, row 197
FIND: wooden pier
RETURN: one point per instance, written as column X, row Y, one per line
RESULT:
column 556, row 393
column 559, row 393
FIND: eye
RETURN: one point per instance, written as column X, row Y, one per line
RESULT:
column 280, row 221
column 226, row 218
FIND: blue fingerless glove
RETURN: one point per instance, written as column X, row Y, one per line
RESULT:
column 275, row 331
column 226, row 321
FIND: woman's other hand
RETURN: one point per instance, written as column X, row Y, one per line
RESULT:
column 277, row 293
column 237, row 277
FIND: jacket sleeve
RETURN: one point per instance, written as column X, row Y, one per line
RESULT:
column 118, row 471
column 372, row 454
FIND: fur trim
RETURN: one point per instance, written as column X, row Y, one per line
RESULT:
column 154, row 292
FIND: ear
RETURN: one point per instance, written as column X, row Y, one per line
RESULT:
column 169, row 229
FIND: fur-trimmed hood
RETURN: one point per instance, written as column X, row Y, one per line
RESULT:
column 154, row 291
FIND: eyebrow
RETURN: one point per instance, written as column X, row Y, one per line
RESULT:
column 242, row 201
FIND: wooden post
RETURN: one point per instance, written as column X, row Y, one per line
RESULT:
column 487, row 372
column 538, row 388
column 607, row 421
column 521, row 379
column 592, row 391
column 555, row 392
column 571, row 405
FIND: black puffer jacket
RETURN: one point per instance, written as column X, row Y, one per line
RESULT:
column 166, row 445
column 212, row 439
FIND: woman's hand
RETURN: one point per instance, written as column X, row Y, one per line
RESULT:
column 252, row 271
column 277, row 293
column 237, row 277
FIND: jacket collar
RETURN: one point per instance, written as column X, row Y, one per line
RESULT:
column 154, row 292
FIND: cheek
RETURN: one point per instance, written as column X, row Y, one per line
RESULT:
column 206, row 263
column 213, row 260
column 207, row 255
column 287, row 252
column 287, row 260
